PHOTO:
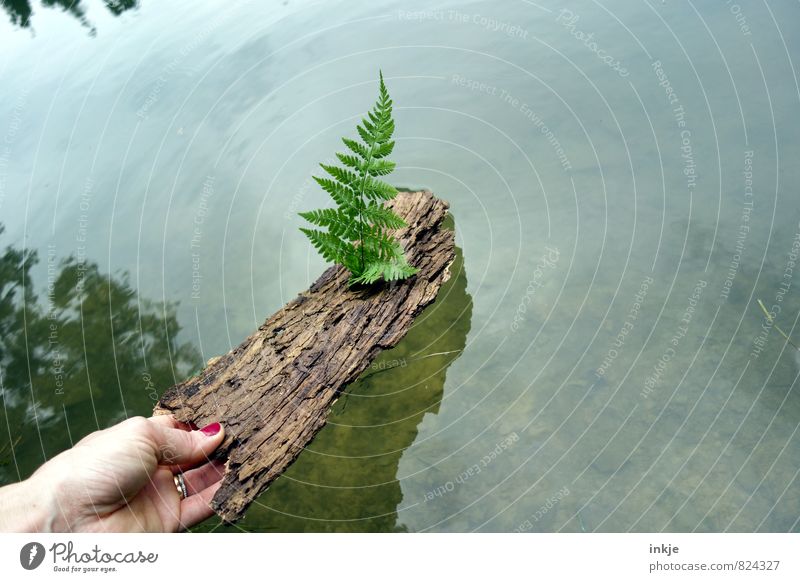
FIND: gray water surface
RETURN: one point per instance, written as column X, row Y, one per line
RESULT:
column 623, row 185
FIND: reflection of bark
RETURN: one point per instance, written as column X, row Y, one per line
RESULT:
column 346, row 479
column 274, row 391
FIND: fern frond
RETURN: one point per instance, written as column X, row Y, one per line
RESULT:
column 389, row 270
column 379, row 190
column 331, row 247
column 366, row 135
column 336, row 221
column 383, row 150
column 385, row 132
column 379, row 243
column 349, row 161
column 384, row 93
column 357, row 236
column 342, row 195
column 357, row 148
column 343, row 176
column 382, row 217
column 380, row 167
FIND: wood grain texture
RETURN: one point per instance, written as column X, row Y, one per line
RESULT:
column 274, row 391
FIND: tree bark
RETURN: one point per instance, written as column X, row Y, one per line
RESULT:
column 274, row 391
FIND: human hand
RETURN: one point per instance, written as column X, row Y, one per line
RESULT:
column 121, row 480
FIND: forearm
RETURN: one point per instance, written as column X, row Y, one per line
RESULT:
column 28, row 507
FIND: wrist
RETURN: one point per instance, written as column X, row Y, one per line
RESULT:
column 26, row 507
column 34, row 505
column 49, row 490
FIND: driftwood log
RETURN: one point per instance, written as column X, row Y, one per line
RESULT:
column 274, row 391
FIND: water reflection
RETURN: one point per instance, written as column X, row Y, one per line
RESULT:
column 84, row 353
column 20, row 11
column 346, row 479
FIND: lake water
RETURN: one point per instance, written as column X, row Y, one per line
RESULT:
column 623, row 186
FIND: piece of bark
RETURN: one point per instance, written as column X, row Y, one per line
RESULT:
column 274, row 391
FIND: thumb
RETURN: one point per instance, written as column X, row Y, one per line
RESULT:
column 175, row 446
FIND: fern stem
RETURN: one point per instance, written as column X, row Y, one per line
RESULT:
column 361, row 195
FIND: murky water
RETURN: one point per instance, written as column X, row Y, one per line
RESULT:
column 623, row 185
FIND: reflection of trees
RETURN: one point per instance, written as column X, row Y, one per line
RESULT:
column 85, row 354
column 117, row 7
column 20, row 11
column 347, row 479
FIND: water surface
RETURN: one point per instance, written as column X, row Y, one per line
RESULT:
column 623, row 188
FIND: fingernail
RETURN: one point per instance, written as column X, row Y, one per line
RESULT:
column 211, row 429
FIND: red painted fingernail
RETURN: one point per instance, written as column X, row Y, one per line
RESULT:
column 211, row 429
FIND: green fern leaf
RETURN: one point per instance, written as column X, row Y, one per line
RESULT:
column 343, row 176
column 347, row 200
column 377, row 189
column 356, row 234
column 383, row 150
column 380, row 167
column 365, row 135
column 389, row 270
column 356, row 148
column 349, row 161
column 336, row 221
column 331, row 247
column 383, row 217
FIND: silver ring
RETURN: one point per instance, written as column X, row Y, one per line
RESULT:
column 180, row 485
